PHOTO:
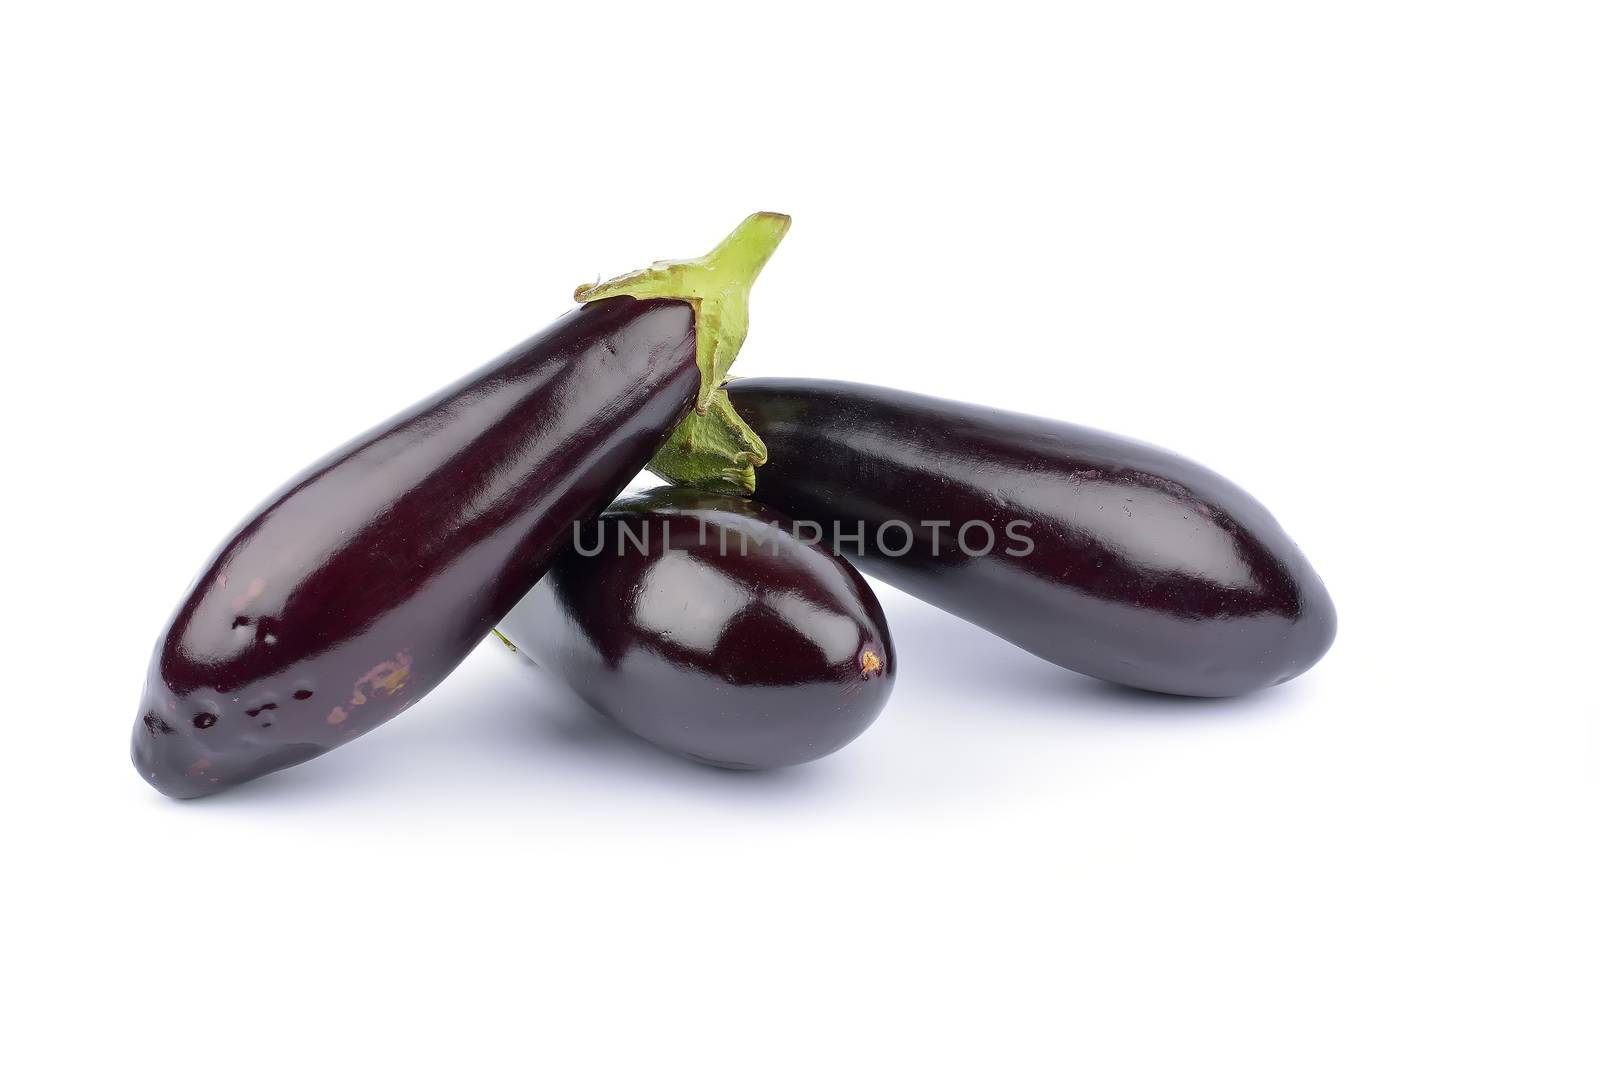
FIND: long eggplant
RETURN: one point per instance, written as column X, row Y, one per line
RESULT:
column 702, row 624
column 358, row 586
column 1096, row 552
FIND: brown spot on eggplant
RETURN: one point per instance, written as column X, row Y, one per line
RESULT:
column 870, row 663
column 389, row 676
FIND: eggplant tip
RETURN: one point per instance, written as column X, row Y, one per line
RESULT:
column 871, row 663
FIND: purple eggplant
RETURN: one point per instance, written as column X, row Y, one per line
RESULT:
column 359, row 585
column 1093, row 551
column 702, row 624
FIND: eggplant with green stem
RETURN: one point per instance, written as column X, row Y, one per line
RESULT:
column 1093, row 551
column 357, row 587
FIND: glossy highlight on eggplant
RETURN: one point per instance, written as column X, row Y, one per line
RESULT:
column 1144, row 568
column 359, row 585
column 701, row 624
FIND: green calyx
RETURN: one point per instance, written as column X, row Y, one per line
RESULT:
column 714, row 451
column 712, row 447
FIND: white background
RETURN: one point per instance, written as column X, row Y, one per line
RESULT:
column 1344, row 253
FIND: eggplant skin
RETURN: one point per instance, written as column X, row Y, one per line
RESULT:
column 1144, row 569
column 365, row 580
column 701, row 624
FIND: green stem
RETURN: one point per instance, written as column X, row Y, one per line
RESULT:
column 712, row 446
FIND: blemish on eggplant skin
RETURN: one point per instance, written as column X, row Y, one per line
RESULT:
column 156, row 724
column 302, row 694
column 385, row 679
column 870, row 663
column 337, row 716
column 389, row 676
column 205, row 720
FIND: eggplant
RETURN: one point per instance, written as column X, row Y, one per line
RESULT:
column 358, row 586
column 1093, row 551
column 700, row 623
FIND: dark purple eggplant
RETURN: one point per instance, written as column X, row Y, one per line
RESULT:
column 1093, row 551
column 700, row 623
column 358, row 586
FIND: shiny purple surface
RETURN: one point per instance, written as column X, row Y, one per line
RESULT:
column 1146, row 569
column 357, row 587
column 711, row 633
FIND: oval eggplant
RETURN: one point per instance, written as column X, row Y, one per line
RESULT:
column 699, row 623
column 1095, row 552
column 363, row 582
